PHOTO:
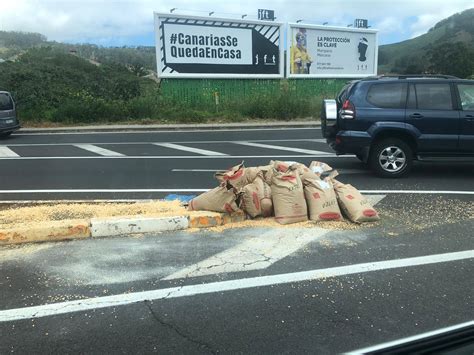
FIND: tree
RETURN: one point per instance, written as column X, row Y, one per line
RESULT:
column 452, row 58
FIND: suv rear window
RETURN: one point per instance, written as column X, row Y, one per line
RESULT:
column 388, row 95
column 5, row 102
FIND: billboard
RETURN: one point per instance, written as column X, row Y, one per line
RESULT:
column 331, row 52
column 205, row 47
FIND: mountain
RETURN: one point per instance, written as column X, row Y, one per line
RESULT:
column 13, row 44
column 447, row 48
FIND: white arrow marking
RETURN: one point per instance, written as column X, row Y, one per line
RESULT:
column 253, row 254
column 259, row 252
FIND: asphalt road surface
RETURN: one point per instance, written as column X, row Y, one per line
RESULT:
column 251, row 290
column 142, row 165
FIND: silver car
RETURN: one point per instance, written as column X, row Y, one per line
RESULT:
column 8, row 120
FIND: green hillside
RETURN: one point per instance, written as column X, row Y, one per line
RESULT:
column 13, row 44
column 451, row 39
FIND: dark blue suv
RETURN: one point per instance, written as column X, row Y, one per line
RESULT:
column 389, row 121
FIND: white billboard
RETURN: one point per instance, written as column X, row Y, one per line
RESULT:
column 206, row 47
column 331, row 52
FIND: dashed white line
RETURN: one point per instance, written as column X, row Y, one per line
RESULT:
column 279, row 147
column 46, row 310
column 175, row 142
column 7, row 152
column 188, row 149
column 98, row 150
column 326, row 155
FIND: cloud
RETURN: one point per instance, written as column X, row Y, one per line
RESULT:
column 99, row 20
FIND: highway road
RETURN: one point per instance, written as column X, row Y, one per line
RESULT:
column 143, row 165
column 250, row 290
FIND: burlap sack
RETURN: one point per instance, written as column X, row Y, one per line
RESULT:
column 257, row 199
column 318, row 167
column 238, row 176
column 219, row 199
column 284, row 166
column 355, row 206
column 267, row 173
column 321, row 200
column 288, row 198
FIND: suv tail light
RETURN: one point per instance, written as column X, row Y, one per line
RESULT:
column 348, row 110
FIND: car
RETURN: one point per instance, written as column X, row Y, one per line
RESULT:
column 389, row 121
column 8, row 120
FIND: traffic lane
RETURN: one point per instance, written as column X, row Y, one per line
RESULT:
column 363, row 309
column 54, row 272
column 164, row 136
column 196, row 172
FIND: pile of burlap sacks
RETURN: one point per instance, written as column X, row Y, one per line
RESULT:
column 290, row 191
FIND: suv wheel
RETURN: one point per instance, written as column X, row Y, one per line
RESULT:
column 391, row 158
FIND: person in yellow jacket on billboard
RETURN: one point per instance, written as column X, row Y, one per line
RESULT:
column 299, row 58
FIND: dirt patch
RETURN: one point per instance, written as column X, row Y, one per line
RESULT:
column 421, row 212
column 272, row 223
column 21, row 216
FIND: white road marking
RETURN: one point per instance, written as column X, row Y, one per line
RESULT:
column 258, row 252
column 188, row 149
column 7, row 152
column 326, row 155
column 279, row 147
column 177, row 142
column 253, row 254
column 46, row 310
column 98, row 150
column 445, row 192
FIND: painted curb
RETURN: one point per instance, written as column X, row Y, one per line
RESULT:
column 114, row 226
column 175, row 127
column 215, row 219
column 107, row 227
column 49, row 232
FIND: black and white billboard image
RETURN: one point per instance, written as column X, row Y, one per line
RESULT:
column 211, row 47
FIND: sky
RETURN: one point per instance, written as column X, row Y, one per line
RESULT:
column 130, row 22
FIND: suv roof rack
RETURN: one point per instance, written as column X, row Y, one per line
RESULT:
column 410, row 76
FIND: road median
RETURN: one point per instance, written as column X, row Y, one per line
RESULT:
column 152, row 217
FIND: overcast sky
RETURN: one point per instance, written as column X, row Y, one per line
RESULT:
column 128, row 22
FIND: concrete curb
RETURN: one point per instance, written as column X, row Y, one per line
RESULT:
column 47, row 232
column 106, row 227
column 114, row 226
column 174, row 127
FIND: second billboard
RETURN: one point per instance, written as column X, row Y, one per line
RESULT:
column 331, row 52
